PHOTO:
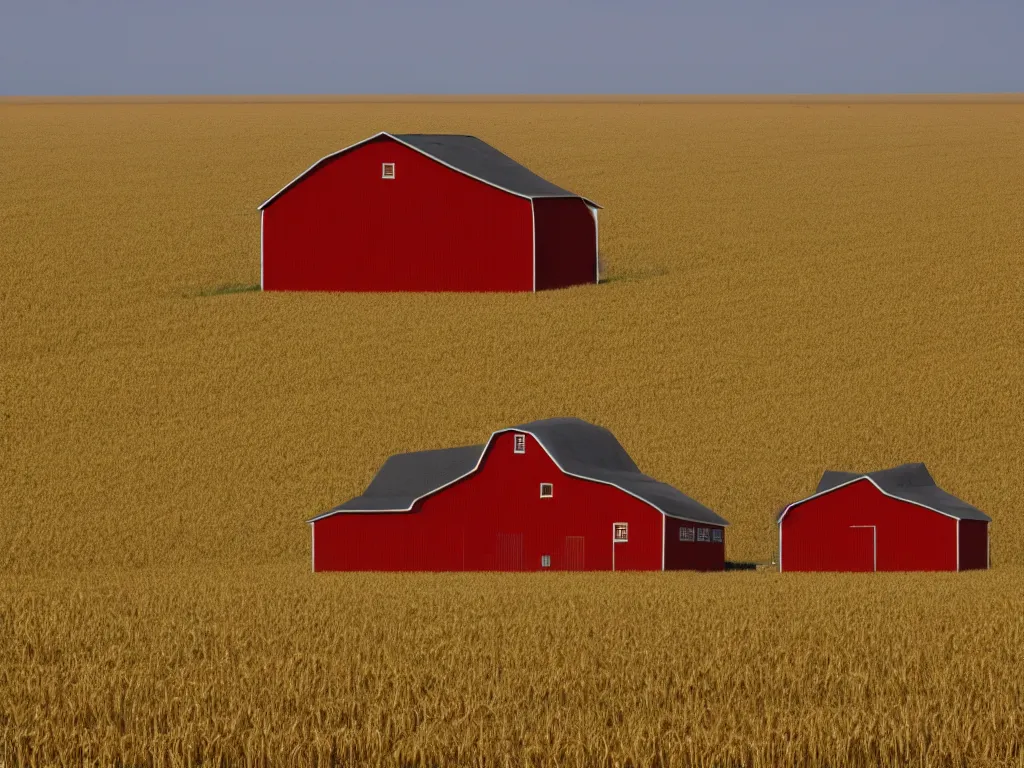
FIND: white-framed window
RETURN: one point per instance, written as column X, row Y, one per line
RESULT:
column 620, row 532
column 703, row 534
column 387, row 170
column 545, row 561
column 547, row 490
column 686, row 533
column 716, row 534
column 519, row 444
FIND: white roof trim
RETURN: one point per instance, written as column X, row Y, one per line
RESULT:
column 857, row 480
column 483, row 453
column 309, row 170
column 325, row 158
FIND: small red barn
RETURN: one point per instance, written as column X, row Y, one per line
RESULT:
column 891, row 520
column 425, row 212
column 557, row 494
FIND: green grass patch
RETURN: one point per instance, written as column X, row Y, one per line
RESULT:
column 223, row 290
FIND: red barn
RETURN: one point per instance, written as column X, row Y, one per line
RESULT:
column 425, row 212
column 557, row 494
column 891, row 520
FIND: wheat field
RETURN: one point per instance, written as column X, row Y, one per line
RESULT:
column 791, row 286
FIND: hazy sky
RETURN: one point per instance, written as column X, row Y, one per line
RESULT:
column 512, row 46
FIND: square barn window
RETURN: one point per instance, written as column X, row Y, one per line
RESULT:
column 547, row 490
column 620, row 532
column 686, row 533
column 545, row 561
column 520, row 444
column 716, row 534
column 387, row 171
column 703, row 534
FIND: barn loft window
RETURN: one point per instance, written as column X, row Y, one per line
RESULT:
column 547, row 490
column 520, row 444
column 686, row 533
column 716, row 534
column 387, row 171
column 703, row 534
column 620, row 532
column 545, row 561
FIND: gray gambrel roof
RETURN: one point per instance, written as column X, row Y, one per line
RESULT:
column 907, row 482
column 466, row 154
column 578, row 447
column 406, row 477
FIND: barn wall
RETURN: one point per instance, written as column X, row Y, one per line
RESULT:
column 344, row 228
column 496, row 520
column 973, row 544
column 817, row 535
column 566, row 243
column 695, row 555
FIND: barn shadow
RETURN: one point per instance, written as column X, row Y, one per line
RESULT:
column 736, row 565
column 731, row 565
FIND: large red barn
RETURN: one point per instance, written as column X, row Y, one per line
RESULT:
column 891, row 520
column 425, row 212
column 556, row 494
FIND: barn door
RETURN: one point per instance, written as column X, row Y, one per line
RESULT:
column 573, row 556
column 510, row 551
column 862, row 548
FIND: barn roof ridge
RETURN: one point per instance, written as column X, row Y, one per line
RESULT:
column 579, row 448
column 911, row 482
column 465, row 154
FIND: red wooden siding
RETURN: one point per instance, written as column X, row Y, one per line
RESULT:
column 574, row 556
column 692, row 555
column 566, row 242
column 344, row 228
column 973, row 544
column 496, row 520
column 820, row 534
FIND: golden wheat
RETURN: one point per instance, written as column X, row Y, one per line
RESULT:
column 271, row 667
column 791, row 287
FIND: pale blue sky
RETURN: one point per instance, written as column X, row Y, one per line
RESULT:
column 115, row 47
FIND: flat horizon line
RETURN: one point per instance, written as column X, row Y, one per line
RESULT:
column 977, row 98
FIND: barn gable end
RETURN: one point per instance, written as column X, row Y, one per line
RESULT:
column 907, row 482
column 467, row 155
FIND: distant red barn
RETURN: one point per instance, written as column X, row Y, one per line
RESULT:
column 891, row 520
column 425, row 212
column 556, row 494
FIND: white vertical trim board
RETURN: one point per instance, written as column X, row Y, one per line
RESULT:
column 312, row 546
column 664, row 527
column 874, row 544
column 261, row 249
column 958, row 545
column 533, row 228
column 780, row 546
column 597, row 250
